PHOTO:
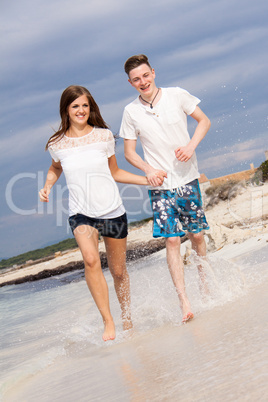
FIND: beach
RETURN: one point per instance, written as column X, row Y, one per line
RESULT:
column 231, row 222
column 51, row 330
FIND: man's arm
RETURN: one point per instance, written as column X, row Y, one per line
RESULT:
column 154, row 176
column 183, row 154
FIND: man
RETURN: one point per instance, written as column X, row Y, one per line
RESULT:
column 159, row 117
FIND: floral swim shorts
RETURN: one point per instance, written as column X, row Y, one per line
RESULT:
column 177, row 211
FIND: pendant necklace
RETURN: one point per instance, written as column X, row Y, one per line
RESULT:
column 150, row 103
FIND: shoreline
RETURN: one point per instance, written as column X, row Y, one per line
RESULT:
column 232, row 221
column 134, row 252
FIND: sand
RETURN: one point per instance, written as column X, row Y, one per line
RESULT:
column 54, row 351
column 232, row 221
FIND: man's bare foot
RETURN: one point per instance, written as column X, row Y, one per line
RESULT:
column 205, row 293
column 127, row 324
column 109, row 331
column 203, row 284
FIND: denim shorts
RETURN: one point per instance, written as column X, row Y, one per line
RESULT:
column 177, row 211
column 114, row 227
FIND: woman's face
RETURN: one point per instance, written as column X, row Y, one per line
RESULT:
column 79, row 110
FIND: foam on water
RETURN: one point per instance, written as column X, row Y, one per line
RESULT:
column 45, row 321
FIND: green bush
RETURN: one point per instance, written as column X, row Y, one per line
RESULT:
column 34, row 255
column 261, row 174
column 64, row 245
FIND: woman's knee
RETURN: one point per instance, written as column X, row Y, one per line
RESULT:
column 119, row 272
column 91, row 260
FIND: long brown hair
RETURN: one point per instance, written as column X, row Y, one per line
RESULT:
column 68, row 96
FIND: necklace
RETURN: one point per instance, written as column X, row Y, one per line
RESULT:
column 150, row 103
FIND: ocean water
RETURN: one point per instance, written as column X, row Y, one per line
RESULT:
column 52, row 350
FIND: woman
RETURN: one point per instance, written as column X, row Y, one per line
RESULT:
column 83, row 148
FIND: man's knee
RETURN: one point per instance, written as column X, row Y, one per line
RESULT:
column 197, row 238
column 173, row 242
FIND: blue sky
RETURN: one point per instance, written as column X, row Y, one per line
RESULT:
column 214, row 49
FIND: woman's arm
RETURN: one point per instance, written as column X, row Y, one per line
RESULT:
column 122, row 176
column 53, row 175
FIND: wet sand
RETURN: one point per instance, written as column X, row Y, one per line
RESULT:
column 221, row 355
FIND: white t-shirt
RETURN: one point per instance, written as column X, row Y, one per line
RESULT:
column 162, row 130
column 92, row 189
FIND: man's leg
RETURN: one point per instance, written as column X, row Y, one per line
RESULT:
column 176, row 269
column 199, row 246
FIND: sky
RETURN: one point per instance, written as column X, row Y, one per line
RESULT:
column 214, row 49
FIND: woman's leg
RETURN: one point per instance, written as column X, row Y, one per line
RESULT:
column 87, row 240
column 116, row 256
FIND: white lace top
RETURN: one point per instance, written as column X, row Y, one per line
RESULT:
column 92, row 189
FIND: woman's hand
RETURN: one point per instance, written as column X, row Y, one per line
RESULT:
column 155, row 177
column 53, row 174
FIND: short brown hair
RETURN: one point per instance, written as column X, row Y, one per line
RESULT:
column 136, row 61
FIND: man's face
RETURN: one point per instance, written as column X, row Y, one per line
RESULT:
column 142, row 79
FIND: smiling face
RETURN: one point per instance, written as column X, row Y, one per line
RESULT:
column 142, row 79
column 78, row 111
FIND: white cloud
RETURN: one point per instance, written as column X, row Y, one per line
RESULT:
column 42, row 20
column 233, row 155
column 220, row 45
column 232, row 159
column 222, row 75
column 24, row 143
column 214, row 49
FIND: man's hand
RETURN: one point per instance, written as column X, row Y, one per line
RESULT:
column 44, row 194
column 156, row 177
column 183, row 154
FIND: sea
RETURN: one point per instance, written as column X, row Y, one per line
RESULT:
column 52, row 348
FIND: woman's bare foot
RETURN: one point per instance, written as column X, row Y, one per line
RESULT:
column 185, row 304
column 109, row 331
column 186, row 309
column 189, row 316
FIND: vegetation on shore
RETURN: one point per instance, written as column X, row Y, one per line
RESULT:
column 223, row 192
column 230, row 189
column 261, row 174
column 68, row 244
column 34, row 255
column 214, row 193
